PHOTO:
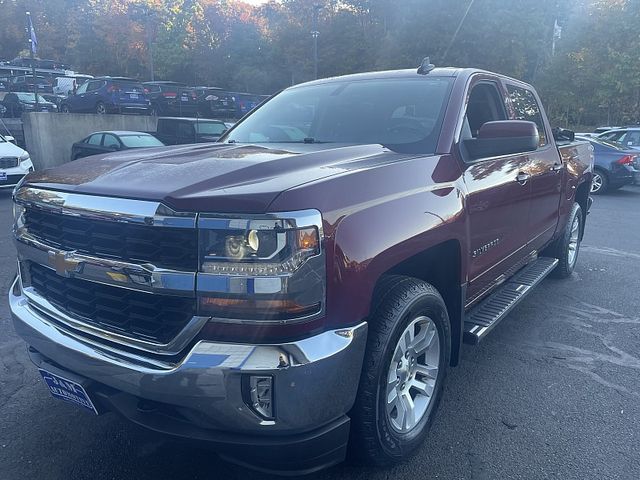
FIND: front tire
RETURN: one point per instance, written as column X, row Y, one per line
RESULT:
column 408, row 350
column 567, row 246
column 101, row 109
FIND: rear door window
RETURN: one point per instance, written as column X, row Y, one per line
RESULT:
column 526, row 107
column 110, row 141
column 95, row 139
column 616, row 136
column 632, row 138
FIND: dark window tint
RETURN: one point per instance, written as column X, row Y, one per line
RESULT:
column 152, row 88
column 95, row 139
column 210, row 128
column 631, row 138
column 613, row 136
column 485, row 105
column 129, row 87
column 404, row 114
column 166, row 126
column 111, row 141
column 93, row 85
column 526, row 107
column 137, row 141
column 186, row 130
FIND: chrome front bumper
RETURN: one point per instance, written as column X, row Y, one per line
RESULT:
column 315, row 380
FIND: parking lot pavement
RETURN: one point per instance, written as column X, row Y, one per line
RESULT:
column 553, row 392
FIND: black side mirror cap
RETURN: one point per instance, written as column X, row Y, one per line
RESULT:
column 563, row 135
column 503, row 137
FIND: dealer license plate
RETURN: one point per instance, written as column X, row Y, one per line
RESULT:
column 3, row 176
column 68, row 391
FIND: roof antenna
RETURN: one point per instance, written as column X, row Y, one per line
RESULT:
column 425, row 67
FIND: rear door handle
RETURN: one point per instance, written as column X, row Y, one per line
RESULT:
column 522, row 178
column 556, row 167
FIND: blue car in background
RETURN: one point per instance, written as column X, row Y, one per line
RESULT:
column 245, row 102
column 108, row 95
column 614, row 165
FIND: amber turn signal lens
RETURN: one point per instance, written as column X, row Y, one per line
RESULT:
column 308, row 239
column 250, row 307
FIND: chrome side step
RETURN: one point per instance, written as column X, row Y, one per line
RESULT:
column 484, row 317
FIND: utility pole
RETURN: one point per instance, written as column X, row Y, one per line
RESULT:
column 315, row 34
column 145, row 16
column 32, row 46
column 557, row 35
column 150, row 44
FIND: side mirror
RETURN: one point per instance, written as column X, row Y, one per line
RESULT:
column 563, row 135
column 503, row 137
column 9, row 138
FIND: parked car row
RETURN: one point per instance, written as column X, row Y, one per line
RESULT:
column 169, row 131
column 15, row 104
column 615, row 165
column 126, row 95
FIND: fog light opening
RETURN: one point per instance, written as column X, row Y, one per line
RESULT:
column 260, row 395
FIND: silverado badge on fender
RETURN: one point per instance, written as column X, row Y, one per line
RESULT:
column 485, row 248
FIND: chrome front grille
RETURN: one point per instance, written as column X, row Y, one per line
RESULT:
column 154, row 318
column 9, row 162
column 172, row 248
column 114, row 269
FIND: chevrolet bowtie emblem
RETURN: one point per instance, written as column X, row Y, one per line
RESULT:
column 64, row 263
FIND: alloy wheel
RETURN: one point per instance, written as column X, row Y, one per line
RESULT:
column 574, row 241
column 412, row 374
column 596, row 183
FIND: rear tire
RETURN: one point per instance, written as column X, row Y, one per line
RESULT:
column 567, row 246
column 64, row 108
column 399, row 392
column 600, row 182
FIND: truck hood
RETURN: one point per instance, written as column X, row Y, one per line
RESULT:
column 209, row 178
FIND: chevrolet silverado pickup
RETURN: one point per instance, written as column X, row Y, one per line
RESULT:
column 298, row 290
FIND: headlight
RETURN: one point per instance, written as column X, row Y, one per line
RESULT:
column 29, row 106
column 23, row 158
column 262, row 269
column 18, row 216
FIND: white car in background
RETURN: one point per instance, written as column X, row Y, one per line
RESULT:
column 15, row 163
column 627, row 136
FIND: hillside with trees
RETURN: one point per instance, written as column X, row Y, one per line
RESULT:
column 592, row 76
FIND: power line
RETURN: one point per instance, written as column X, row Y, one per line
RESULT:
column 446, row 52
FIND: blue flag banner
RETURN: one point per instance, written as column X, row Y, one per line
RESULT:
column 32, row 33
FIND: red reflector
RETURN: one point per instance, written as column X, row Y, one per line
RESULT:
column 169, row 94
column 626, row 160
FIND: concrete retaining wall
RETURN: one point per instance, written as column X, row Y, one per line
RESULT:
column 49, row 136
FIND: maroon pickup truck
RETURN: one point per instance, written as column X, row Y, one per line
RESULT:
column 299, row 289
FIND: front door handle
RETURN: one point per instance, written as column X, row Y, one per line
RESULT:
column 556, row 167
column 522, row 178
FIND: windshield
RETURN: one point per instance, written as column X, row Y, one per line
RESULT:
column 137, row 141
column 210, row 128
column 404, row 114
column 30, row 97
column 2, row 139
